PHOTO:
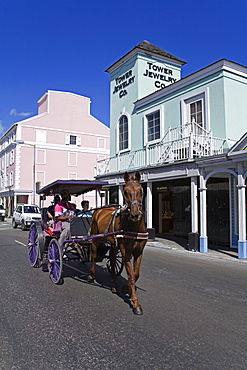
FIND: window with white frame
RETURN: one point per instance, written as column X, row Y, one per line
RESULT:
column 101, row 157
column 40, row 177
column 7, row 159
column 12, row 157
column 72, row 159
column 101, row 143
column 41, row 136
column 196, row 110
column 73, row 140
column 123, row 133
column 41, row 156
column 153, row 126
column 11, row 179
column 72, row 176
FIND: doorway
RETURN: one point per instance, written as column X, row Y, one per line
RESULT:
column 166, row 213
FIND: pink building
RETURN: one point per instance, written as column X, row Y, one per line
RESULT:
column 62, row 142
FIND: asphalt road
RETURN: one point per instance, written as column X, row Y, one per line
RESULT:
column 194, row 317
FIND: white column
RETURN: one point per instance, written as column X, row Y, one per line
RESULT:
column 194, row 205
column 149, row 208
column 106, row 197
column 203, row 216
column 242, row 243
column 120, row 195
column 9, row 205
column 97, row 198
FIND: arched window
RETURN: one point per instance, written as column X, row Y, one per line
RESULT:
column 123, row 133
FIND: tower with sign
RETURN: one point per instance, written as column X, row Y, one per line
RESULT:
column 142, row 71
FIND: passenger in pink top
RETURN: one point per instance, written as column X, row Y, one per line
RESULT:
column 64, row 211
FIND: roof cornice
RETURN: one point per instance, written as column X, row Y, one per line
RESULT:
column 221, row 65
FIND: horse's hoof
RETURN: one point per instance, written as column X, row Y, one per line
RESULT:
column 137, row 310
column 90, row 279
column 114, row 290
column 125, row 289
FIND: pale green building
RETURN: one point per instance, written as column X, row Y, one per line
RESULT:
column 178, row 132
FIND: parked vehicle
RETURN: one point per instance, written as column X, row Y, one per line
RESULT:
column 2, row 212
column 24, row 215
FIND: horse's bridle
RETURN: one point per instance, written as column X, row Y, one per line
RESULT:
column 129, row 204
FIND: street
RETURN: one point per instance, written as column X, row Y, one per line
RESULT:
column 194, row 313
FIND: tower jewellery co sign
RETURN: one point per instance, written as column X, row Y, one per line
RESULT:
column 160, row 74
column 162, row 77
column 122, row 82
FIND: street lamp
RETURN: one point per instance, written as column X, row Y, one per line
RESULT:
column 34, row 158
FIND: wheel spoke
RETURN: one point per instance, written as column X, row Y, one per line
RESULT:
column 54, row 261
column 33, row 247
column 118, row 264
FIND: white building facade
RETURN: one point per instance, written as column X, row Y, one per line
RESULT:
column 62, row 142
column 187, row 137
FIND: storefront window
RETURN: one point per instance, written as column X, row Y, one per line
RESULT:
column 218, row 210
column 113, row 195
column 171, row 207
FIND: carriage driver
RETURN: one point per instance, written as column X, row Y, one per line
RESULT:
column 64, row 211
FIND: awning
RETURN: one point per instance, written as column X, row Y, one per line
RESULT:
column 75, row 187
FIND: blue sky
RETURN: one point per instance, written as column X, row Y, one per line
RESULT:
column 67, row 45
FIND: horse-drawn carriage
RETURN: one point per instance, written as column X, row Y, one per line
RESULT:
column 115, row 233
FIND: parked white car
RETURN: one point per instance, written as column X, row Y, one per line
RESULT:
column 2, row 212
column 24, row 215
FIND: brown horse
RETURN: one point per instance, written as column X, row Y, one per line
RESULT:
column 132, row 237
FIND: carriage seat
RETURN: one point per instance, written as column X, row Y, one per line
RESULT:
column 79, row 226
column 51, row 230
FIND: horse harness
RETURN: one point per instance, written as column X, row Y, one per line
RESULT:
column 124, row 234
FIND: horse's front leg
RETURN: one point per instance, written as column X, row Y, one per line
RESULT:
column 138, row 259
column 137, row 309
column 91, row 275
column 137, row 265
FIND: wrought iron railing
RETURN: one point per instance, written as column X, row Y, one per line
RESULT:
column 182, row 143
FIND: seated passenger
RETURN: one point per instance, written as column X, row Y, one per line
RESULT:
column 64, row 211
column 85, row 210
column 50, row 209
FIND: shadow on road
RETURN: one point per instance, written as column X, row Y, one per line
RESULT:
column 79, row 271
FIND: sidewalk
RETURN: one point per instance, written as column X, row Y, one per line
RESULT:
column 181, row 245
column 177, row 244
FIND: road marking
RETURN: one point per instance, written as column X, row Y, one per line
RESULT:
column 73, row 268
column 17, row 241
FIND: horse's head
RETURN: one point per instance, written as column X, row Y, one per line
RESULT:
column 133, row 194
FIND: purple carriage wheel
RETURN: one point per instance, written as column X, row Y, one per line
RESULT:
column 119, row 262
column 55, row 262
column 35, row 245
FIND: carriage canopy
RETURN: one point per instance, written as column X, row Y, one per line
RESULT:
column 75, row 187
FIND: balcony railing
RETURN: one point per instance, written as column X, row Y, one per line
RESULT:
column 182, row 143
